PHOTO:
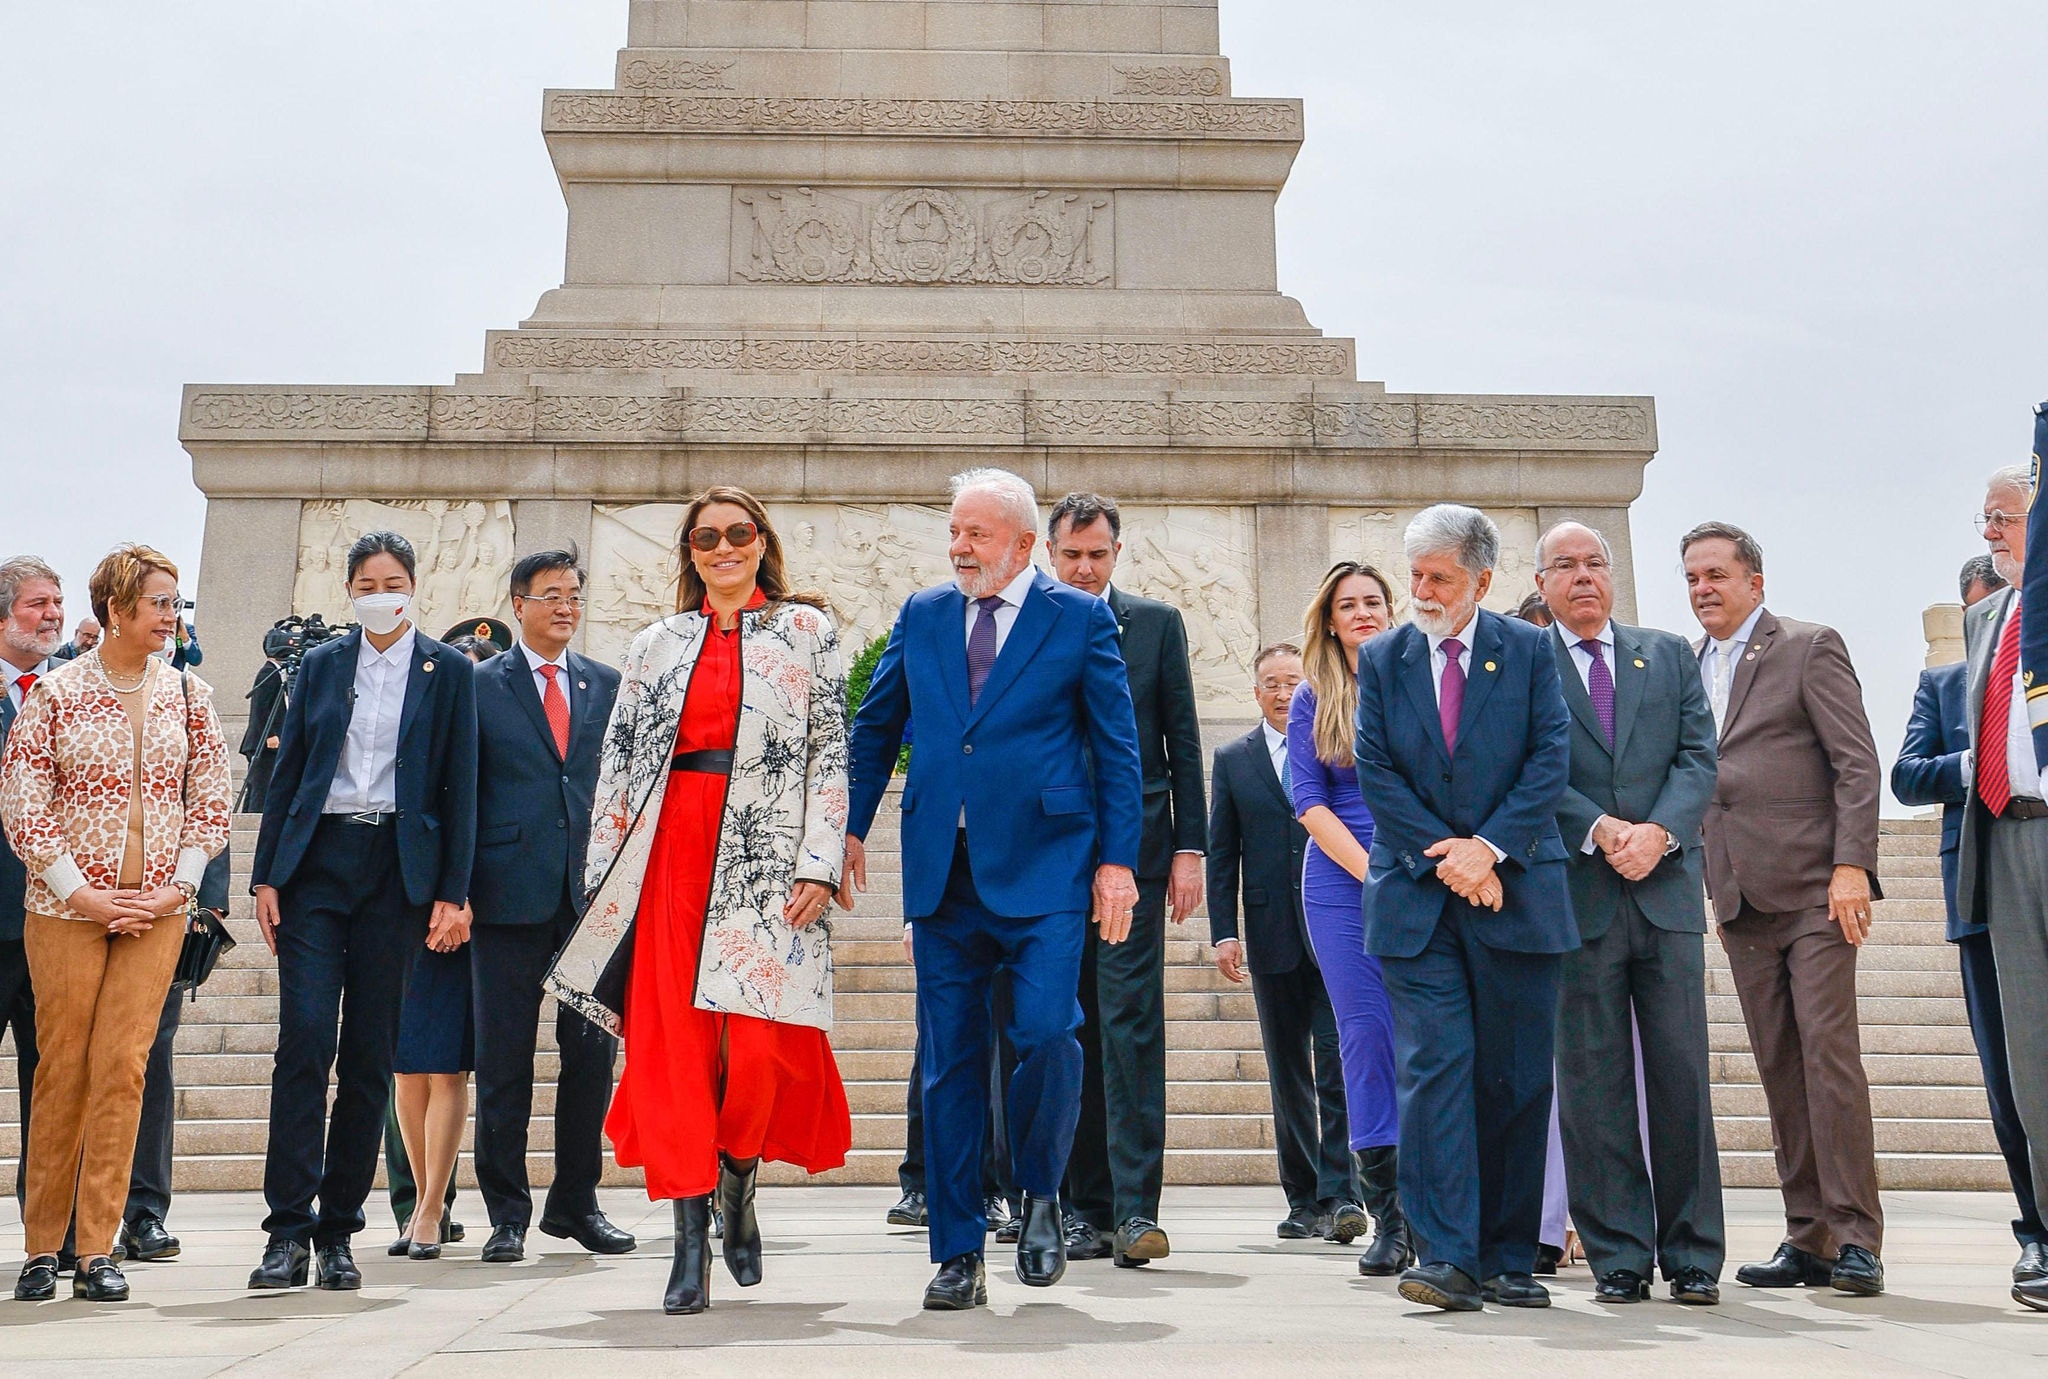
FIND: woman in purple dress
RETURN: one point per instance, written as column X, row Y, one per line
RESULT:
column 1354, row 603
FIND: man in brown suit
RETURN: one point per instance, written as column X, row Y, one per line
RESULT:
column 1792, row 871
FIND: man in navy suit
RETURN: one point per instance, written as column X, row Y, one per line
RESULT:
column 31, row 631
column 1022, row 817
column 1464, row 751
column 369, row 832
column 1934, row 768
column 541, row 711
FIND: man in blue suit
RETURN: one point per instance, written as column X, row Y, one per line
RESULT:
column 1464, row 752
column 1022, row 817
column 369, row 832
column 1934, row 767
column 541, row 711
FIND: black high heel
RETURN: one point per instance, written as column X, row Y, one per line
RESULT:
column 742, row 1243
column 689, row 1283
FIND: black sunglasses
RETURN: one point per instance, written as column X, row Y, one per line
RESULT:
column 740, row 535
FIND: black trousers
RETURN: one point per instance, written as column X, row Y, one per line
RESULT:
column 149, row 1181
column 997, row 1177
column 1119, row 1158
column 346, row 943
column 18, row 1013
column 507, row 964
column 1305, row 1071
column 1987, row 1028
column 1632, row 1215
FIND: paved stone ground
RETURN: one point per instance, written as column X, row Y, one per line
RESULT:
column 841, row 1298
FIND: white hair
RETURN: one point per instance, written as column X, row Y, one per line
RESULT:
column 1543, row 541
column 2016, row 478
column 1018, row 499
column 1466, row 533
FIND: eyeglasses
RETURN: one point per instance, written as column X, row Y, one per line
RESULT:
column 1988, row 522
column 162, row 603
column 551, row 602
column 739, row 535
column 1565, row 565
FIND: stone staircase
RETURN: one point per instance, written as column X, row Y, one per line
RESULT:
column 1933, row 1130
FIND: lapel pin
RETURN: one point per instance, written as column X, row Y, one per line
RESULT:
column 1750, row 657
column 1639, row 663
column 582, row 684
column 1489, row 665
column 428, row 667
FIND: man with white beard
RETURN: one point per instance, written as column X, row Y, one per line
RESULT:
column 31, row 630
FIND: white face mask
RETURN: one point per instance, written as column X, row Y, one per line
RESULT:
column 381, row 614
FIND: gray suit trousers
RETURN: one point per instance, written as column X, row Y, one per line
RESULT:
column 1660, row 977
column 2016, row 872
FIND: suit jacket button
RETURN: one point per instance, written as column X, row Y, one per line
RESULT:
column 1447, row 778
column 967, row 748
column 561, row 823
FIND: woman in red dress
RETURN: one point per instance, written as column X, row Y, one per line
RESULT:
column 716, row 845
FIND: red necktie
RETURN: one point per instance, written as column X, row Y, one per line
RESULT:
column 1994, row 772
column 27, row 683
column 555, row 705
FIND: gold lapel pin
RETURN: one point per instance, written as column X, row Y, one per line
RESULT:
column 1489, row 665
column 428, row 667
column 1639, row 663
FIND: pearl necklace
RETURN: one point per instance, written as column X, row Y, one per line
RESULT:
column 117, row 688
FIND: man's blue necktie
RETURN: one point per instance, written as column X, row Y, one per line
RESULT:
column 981, row 646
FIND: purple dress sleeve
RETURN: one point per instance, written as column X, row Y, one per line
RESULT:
column 1311, row 782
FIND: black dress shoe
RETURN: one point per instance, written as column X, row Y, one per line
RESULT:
column 909, row 1211
column 960, row 1285
column 1012, row 1227
column 1083, row 1240
column 334, row 1268
column 146, row 1241
column 1442, row 1285
column 1347, row 1221
column 1140, row 1241
column 742, row 1243
column 1790, row 1267
column 1041, row 1243
column 99, row 1280
column 1695, row 1286
column 1303, row 1223
column 1516, row 1290
column 2033, row 1293
column 401, row 1247
column 284, row 1266
column 38, row 1281
column 593, row 1232
column 689, row 1277
column 2033, row 1264
column 1859, row 1272
column 1622, row 1285
column 451, row 1230
column 997, row 1211
column 507, row 1245
column 1392, row 1248
column 1548, row 1257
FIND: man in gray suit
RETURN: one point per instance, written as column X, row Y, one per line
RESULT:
column 2002, row 867
column 1642, row 776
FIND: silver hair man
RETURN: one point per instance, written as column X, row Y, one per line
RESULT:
column 35, row 637
column 2008, row 491
column 994, row 525
column 1441, row 542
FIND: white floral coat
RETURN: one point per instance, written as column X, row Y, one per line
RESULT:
column 784, row 819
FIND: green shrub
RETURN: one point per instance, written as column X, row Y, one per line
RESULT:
column 859, row 676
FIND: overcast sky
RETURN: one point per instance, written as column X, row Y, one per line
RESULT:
column 1815, row 232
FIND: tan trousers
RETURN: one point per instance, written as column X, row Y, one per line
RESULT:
column 1796, row 977
column 98, row 999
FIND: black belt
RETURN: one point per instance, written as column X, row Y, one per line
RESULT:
column 2024, row 807
column 366, row 820
column 716, row 762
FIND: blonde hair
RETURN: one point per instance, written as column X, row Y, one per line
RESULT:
column 117, row 581
column 1325, row 667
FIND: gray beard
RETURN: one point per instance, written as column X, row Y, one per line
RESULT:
column 1441, row 623
column 42, row 646
column 984, row 582
column 2009, row 570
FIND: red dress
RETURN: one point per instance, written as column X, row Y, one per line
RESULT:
column 696, row 1082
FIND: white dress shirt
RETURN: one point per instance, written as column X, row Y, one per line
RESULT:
column 1276, row 748
column 2021, row 767
column 14, row 673
column 1583, row 658
column 1729, row 654
column 534, row 661
column 1012, row 596
column 366, row 776
column 1439, row 661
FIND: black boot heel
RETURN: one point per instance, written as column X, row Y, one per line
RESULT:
column 689, row 1282
column 742, row 1242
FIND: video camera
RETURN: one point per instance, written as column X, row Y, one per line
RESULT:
column 289, row 639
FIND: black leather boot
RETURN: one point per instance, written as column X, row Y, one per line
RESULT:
column 742, row 1244
column 1392, row 1249
column 689, row 1282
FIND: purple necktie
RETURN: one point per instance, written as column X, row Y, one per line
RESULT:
column 1450, row 695
column 1600, row 684
column 981, row 646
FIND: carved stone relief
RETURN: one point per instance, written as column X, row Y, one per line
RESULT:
column 852, row 354
column 1203, row 561
column 1168, row 81
column 465, row 550
column 921, row 235
column 1373, row 535
column 702, row 114
column 677, row 74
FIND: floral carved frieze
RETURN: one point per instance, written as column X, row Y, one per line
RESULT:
column 1469, row 423
column 1168, row 81
column 580, row 111
column 286, row 412
column 677, row 74
column 921, row 235
column 840, row 354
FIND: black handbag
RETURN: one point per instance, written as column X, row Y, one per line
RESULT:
column 206, row 929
